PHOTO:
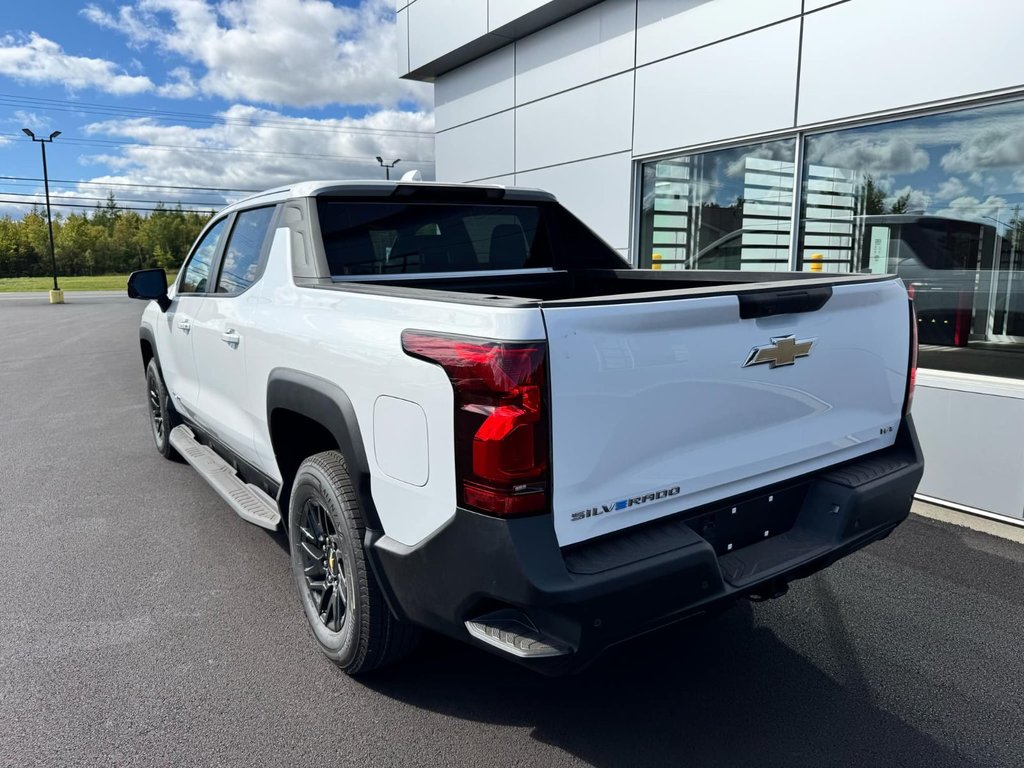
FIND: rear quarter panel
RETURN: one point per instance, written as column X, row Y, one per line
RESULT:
column 354, row 341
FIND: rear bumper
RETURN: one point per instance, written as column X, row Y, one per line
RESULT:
column 592, row 596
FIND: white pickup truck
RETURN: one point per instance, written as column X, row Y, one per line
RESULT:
column 470, row 414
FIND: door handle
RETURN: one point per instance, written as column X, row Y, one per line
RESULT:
column 185, row 324
column 230, row 337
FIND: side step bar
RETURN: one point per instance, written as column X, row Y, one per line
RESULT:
column 513, row 632
column 248, row 501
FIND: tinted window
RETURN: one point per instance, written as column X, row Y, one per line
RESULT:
column 394, row 238
column 197, row 271
column 242, row 256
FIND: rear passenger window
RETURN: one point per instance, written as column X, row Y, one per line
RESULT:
column 241, row 263
column 197, row 272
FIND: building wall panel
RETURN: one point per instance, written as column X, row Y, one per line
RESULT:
column 668, row 27
column 437, row 27
column 476, row 90
column 870, row 55
column 587, row 121
column 478, row 150
column 593, row 44
column 734, row 88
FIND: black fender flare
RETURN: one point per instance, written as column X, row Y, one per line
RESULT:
column 327, row 404
column 146, row 334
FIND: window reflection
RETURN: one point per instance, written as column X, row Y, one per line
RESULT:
column 729, row 209
column 936, row 200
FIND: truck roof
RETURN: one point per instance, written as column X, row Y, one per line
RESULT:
column 378, row 188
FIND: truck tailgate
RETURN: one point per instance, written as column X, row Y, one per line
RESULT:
column 662, row 406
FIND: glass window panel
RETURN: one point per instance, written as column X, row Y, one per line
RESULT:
column 242, row 255
column 937, row 200
column 727, row 209
column 197, row 272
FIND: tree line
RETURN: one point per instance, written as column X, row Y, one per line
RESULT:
column 106, row 240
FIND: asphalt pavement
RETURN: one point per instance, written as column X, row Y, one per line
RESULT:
column 143, row 623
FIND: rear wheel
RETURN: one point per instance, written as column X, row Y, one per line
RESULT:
column 162, row 416
column 340, row 596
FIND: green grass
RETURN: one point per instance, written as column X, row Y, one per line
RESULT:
column 80, row 283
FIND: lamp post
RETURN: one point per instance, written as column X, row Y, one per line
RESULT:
column 56, row 295
column 387, row 167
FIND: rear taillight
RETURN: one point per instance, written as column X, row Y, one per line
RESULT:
column 501, row 419
column 908, row 399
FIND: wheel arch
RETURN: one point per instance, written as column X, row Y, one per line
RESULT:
column 307, row 414
column 147, row 345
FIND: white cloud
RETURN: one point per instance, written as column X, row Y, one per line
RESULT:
column 181, row 85
column 969, row 207
column 283, row 52
column 258, row 148
column 781, row 151
column 951, row 188
column 37, row 60
column 995, row 147
column 917, row 200
column 890, row 155
column 32, row 120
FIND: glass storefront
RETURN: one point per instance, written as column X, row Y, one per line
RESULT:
column 729, row 209
column 935, row 199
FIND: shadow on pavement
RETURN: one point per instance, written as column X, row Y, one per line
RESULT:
column 719, row 693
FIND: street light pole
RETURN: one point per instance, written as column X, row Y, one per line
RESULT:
column 56, row 297
column 387, row 167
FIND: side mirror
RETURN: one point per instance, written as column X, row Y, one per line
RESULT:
column 151, row 285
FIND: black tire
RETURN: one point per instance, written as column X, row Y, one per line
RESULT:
column 340, row 596
column 162, row 416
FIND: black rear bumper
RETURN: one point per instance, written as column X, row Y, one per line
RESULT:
column 594, row 595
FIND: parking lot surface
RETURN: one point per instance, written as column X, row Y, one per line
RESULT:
column 143, row 623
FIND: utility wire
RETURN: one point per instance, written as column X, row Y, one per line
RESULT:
column 126, row 184
column 79, row 141
column 53, row 204
column 41, row 197
column 64, row 105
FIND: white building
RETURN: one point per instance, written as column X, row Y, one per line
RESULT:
column 776, row 134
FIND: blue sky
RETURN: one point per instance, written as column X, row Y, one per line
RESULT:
column 203, row 94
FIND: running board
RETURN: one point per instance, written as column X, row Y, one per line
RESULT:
column 513, row 632
column 249, row 502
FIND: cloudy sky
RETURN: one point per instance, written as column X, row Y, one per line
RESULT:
column 194, row 101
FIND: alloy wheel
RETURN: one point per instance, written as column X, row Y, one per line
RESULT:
column 323, row 565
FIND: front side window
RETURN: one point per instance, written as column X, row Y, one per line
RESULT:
column 938, row 201
column 727, row 209
column 241, row 262
column 197, row 271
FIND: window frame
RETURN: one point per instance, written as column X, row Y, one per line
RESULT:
column 261, row 264
column 214, row 262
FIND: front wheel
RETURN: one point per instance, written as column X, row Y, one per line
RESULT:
column 340, row 596
column 162, row 416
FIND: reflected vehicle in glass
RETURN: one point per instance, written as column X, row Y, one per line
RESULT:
column 965, row 277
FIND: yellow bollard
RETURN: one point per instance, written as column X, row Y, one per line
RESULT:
column 815, row 260
column 655, row 258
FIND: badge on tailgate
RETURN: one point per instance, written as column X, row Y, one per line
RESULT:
column 634, row 501
column 784, row 350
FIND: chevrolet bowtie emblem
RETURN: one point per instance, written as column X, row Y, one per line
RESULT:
column 784, row 350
